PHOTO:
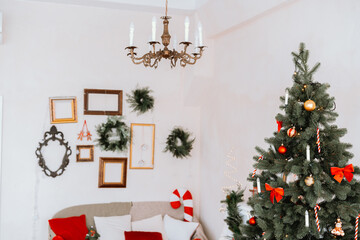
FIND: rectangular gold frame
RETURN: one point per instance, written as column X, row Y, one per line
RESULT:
column 153, row 145
column 102, row 173
column 78, row 153
column 55, row 120
column 102, row 91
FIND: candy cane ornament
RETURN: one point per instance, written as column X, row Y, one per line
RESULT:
column 316, row 208
column 260, row 158
column 318, row 139
column 357, row 227
column 186, row 196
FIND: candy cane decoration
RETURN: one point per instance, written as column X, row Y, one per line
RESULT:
column 318, row 139
column 187, row 200
column 357, row 227
column 316, row 208
column 260, row 158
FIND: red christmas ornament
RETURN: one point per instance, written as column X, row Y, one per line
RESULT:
column 279, row 123
column 291, row 132
column 252, row 221
column 282, row 149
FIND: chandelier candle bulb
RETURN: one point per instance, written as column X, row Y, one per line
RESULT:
column 153, row 29
column 308, row 152
column 196, row 42
column 131, row 34
column 201, row 43
column 286, row 97
column 307, row 223
column 187, row 29
column 258, row 185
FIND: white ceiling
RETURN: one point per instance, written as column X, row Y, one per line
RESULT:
column 175, row 6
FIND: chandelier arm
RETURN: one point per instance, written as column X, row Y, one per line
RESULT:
column 138, row 60
column 188, row 59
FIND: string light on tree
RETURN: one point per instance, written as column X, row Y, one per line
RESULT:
column 309, row 181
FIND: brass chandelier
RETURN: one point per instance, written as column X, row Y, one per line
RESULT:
column 153, row 57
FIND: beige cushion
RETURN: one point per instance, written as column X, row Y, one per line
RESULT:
column 142, row 210
column 99, row 210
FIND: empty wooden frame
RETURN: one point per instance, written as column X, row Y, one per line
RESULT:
column 142, row 146
column 63, row 110
column 85, row 153
column 112, row 172
column 102, row 102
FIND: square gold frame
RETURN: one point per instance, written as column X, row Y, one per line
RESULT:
column 152, row 148
column 78, row 153
column 102, row 163
column 55, row 120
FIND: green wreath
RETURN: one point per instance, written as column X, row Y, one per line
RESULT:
column 114, row 127
column 179, row 143
column 140, row 100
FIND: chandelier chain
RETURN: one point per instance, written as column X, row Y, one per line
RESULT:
column 166, row 9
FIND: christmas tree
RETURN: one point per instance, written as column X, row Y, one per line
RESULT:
column 304, row 183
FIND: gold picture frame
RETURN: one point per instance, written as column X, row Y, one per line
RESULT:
column 142, row 146
column 63, row 110
column 84, row 153
column 109, row 168
column 103, row 99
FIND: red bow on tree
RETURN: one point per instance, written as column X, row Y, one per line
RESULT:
column 278, row 193
column 341, row 172
column 279, row 123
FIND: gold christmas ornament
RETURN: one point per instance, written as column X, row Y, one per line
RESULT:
column 309, row 105
column 337, row 231
column 309, row 181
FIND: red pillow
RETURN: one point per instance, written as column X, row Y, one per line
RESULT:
column 143, row 236
column 57, row 238
column 72, row 228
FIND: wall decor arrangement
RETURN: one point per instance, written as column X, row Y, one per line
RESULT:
column 85, row 153
column 50, row 144
column 114, row 134
column 112, row 172
column 142, row 146
column 84, row 134
column 63, row 110
column 140, row 100
column 103, row 102
column 179, row 143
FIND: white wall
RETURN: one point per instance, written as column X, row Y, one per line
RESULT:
column 253, row 66
column 58, row 50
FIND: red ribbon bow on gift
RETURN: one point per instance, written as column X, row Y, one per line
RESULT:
column 278, row 193
column 341, row 172
column 279, row 123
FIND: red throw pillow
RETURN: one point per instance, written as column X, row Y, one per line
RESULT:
column 72, row 228
column 57, row 238
column 143, row 236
